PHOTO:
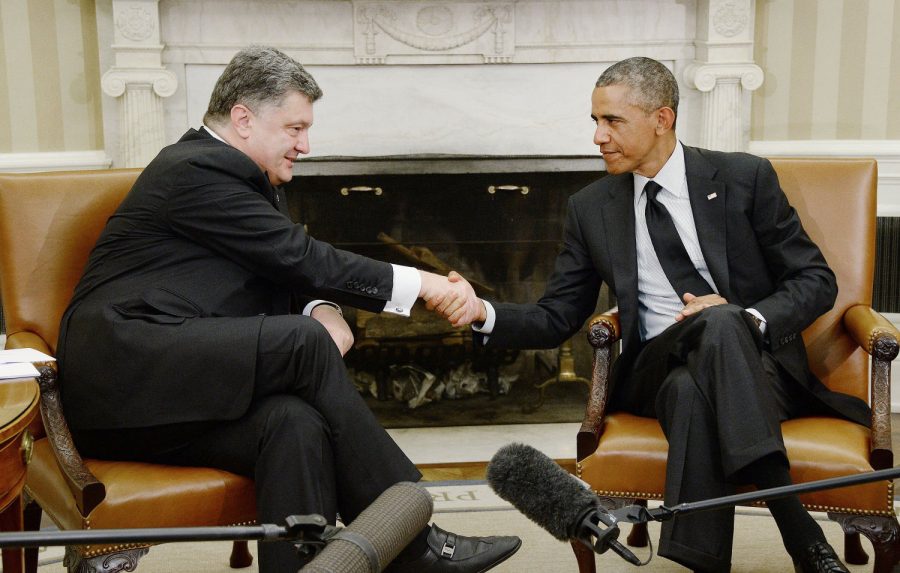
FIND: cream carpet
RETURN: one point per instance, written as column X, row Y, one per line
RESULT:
column 472, row 509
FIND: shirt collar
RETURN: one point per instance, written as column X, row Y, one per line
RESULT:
column 213, row 133
column 671, row 177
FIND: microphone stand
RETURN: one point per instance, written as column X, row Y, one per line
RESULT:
column 308, row 533
column 639, row 514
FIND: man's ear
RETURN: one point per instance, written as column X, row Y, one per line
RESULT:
column 241, row 120
column 665, row 119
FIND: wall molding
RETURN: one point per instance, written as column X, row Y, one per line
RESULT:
column 54, row 161
column 886, row 152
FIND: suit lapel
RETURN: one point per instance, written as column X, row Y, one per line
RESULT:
column 708, row 207
column 618, row 221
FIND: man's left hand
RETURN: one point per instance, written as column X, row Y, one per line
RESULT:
column 694, row 304
column 336, row 326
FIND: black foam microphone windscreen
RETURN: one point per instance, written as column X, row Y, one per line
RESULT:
column 378, row 533
column 538, row 487
column 552, row 498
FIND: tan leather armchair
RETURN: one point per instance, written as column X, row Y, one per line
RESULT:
column 49, row 222
column 623, row 457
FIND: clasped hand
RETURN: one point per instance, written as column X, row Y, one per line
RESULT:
column 452, row 297
column 694, row 304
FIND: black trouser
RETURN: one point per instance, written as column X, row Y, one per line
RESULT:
column 720, row 399
column 308, row 439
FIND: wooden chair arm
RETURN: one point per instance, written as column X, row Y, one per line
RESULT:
column 603, row 332
column 86, row 489
column 877, row 336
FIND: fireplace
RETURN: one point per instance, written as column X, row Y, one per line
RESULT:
column 499, row 222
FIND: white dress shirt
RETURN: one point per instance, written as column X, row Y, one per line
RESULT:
column 657, row 301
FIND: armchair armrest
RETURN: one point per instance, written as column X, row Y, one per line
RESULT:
column 603, row 332
column 87, row 490
column 877, row 336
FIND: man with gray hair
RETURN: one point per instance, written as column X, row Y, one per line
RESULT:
column 710, row 320
column 179, row 345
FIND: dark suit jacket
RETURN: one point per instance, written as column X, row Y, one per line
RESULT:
column 164, row 324
column 754, row 244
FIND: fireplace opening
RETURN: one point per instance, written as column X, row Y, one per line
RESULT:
column 502, row 231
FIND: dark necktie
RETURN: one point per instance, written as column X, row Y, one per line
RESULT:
column 673, row 257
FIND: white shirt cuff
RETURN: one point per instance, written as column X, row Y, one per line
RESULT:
column 762, row 325
column 407, row 284
column 307, row 310
column 491, row 319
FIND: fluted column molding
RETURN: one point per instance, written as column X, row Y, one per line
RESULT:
column 724, row 71
column 724, row 113
column 139, row 80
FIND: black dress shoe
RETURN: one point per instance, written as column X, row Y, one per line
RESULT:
column 820, row 558
column 451, row 553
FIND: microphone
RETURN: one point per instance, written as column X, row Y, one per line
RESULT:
column 554, row 499
column 378, row 533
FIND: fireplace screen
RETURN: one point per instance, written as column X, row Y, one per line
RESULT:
column 502, row 231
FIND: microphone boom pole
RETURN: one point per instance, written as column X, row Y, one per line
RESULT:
column 299, row 528
column 639, row 514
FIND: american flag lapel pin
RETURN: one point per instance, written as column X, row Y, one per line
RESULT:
column 711, row 196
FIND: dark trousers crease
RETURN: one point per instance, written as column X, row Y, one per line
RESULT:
column 720, row 399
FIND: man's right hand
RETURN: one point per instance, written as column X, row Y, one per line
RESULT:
column 452, row 297
column 694, row 304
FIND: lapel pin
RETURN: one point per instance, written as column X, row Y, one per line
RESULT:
column 711, row 196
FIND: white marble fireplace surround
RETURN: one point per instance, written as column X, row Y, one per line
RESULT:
column 449, row 77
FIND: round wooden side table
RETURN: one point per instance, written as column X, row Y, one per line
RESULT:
column 18, row 407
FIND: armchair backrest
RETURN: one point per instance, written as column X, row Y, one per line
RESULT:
column 49, row 222
column 836, row 200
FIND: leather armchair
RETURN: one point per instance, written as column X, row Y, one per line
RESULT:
column 49, row 222
column 623, row 457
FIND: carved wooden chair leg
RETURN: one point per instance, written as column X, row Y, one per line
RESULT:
column 585, row 557
column 882, row 531
column 854, row 554
column 240, row 555
column 32, row 522
column 639, row 536
column 126, row 560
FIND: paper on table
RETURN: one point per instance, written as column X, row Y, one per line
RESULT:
column 24, row 355
column 18, row 370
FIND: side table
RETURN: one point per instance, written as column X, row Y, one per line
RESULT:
column 18, row 407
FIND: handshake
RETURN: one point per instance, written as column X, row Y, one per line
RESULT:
column 452, row 297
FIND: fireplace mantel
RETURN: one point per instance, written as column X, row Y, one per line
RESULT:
column 472, row 77
column 445, row 164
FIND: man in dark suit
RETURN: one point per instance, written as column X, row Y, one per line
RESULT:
column 715, row 279
column 179, row 345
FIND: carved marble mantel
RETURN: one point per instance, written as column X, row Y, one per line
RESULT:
column 476, row 77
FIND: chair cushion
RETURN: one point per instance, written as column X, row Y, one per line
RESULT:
column 142, row 495
column 630, row 462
